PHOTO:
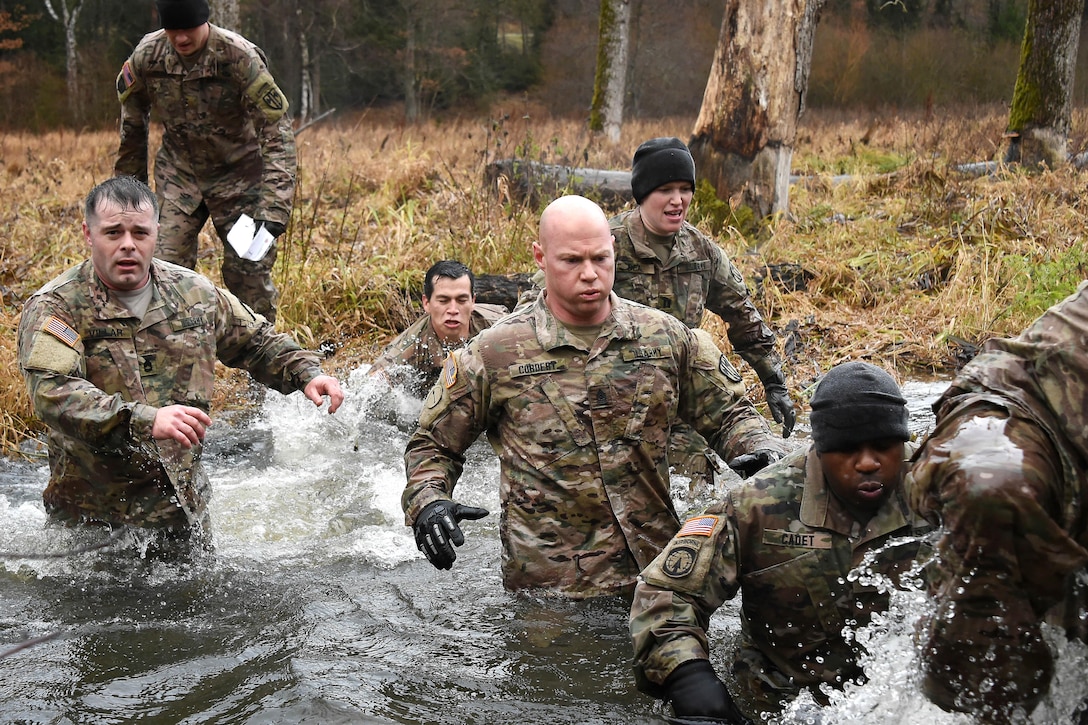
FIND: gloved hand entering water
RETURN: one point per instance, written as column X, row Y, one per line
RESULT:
column 747, row 464
column 437, row 531
column 697, row 695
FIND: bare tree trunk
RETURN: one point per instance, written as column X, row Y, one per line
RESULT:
column 610, row 84
column 306, row 102
column 68, row 18
column 1042, row 101
column 743, row 138
column 225, row 14
column 411, row 89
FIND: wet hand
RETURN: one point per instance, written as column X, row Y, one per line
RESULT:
column 322, row 386
column 698, row 696
column 750, row 463
column 182, row 423
column 437, row 531
column 778, row 400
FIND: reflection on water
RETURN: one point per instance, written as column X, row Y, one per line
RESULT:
column 316, row 606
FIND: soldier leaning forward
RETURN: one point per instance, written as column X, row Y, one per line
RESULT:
column 787, row 540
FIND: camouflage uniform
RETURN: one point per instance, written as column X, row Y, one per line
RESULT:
column 783, row 540
column 1005, row 472
column 581, row 435
column 96, row 377
column 698, row 276
column 228, row 148
column 414, row 358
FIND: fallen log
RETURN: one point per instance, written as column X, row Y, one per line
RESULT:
column 491, row 289
column 534, row 183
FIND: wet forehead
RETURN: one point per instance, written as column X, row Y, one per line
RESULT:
column 111, row 214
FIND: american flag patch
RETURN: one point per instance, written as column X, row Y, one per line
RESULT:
column 59, row 329
column 126, row 75
column 698, row 526
column 449, row 373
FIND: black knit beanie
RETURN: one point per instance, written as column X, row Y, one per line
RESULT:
column 854, row 403
column 182, row 14
column 659, row 161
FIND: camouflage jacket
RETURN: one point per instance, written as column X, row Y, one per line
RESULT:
column 786, row 543
column 1042, row 376
column 225, row 123
column 582, row 439
column 96, row 376
column 415, row 356
column 699, row 275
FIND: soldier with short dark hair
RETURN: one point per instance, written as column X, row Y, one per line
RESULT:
column 119, row 357
column 451, row 318
column 1005, row 474
column 786, row 540
column 577, row 393
column 228, row 147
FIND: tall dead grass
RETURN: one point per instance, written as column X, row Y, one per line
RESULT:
column 908, row 261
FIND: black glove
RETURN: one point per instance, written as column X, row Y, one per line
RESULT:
column 436, row 527
column 749, row 463
column 778, row 400
column 697, row 695
column 276, row 230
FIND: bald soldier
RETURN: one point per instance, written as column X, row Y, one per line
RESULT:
column 786, row 540
column 577, row 394
column 228, row 147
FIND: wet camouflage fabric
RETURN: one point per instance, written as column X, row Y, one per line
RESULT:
column 581, row 436
column 785, row 543
column 1005, row 473
column 227, row 148
column 698, row 276
column 414, row 358
column 96, row 376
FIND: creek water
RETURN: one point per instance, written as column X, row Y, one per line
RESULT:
column 316, row 607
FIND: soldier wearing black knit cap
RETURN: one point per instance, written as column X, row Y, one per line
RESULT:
column 663, row 261
column 786, row 540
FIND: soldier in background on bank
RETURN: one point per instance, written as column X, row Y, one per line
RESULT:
column 228, row 147
column 663, row 261
column 452, row 317
column 787, row 540
column 119, row 358
column 577, row 394
column 1005, row 473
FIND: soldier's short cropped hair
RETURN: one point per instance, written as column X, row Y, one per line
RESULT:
column 127, row 192
column 450, row 269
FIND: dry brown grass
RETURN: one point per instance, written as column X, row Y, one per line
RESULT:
column 910, row 260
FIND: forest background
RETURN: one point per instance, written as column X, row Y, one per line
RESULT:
column 890, row 252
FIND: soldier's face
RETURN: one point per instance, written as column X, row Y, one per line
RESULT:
column 450, row 307
column 864, row 476
column 190, row 40
column 666, row 207
column 122, row 243
column 578, row 274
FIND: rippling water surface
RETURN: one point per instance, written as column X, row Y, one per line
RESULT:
column 316, row 607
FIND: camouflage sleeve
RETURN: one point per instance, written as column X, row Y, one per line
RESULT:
column 248, row 341
column 716, row 406
column 729, row 299
column 52, row 363
column 676, row 595
column 132, row 154
column 269, row 109
column 452, row 417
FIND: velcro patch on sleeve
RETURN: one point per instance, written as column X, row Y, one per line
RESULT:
column 49, row 353
column 125, row 80
column 268, row 97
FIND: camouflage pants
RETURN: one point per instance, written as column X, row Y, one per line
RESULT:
column 250, row 281
column 1004, row 560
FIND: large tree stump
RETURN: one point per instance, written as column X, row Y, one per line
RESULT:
column 537, row 184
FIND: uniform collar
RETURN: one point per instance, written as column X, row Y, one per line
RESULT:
column 551, row 333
